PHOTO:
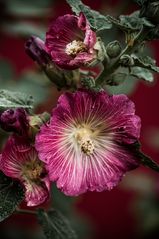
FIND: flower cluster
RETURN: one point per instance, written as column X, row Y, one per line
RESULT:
column 85, row 144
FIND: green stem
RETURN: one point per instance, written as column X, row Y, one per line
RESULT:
column 24, row 211
column 109, row 69
column 146, row 161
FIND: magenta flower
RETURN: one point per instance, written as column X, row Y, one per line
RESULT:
column 20, row 161
column 70, row 42
column 84, row 145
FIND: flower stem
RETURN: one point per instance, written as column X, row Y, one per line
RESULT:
column 24, row 211
column 146, row 161
column 109, row 69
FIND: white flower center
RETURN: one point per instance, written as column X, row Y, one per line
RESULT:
column 75, row 47
column 83, row 138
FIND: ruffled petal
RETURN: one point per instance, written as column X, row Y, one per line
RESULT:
column 14, row 156
column 90, row 36
column 105, row 169
column 61, row 32
column 101, row 116
column 35, row 194
column 20, row 160
column 123, row 120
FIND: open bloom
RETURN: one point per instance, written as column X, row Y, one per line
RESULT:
column 70, row 41
column 20, row 161
column 84, row 145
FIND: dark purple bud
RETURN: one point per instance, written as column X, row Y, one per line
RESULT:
column 14, row 120
column 35, row 48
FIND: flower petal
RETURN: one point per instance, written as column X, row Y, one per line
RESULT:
column 14, row 156
column 74, row 171
column 61, row 32
column 35, row 194
column 19, row 160
column 123, row 119
column 105, row 169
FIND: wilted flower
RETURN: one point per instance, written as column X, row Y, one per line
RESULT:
column 70, row 41
column 85, row 144
column 14, row 120
column 20, row 161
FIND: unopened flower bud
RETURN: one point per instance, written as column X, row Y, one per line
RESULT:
column 36, row 121
column 35, row 48
column 113, row 49
column 14, row 120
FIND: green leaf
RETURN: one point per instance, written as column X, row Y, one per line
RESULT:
column 55, row 225
column 66, row 206
column 117, row 78
column 10, row 99
column 11, row 194
column 128, row 86
column 145, row 62
column 152, row 34
column 97, row 21
column 141, row 2
column 142, row 73
column 130, row 23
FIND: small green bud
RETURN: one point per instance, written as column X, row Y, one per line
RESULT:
column 113, row 49
column 35, row 123
column 88, row 82
column 126, row 61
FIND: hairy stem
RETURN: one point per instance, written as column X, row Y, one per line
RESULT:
column 25, row 211
column 108, row 70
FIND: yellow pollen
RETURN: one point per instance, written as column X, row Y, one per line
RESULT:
column 83, row 138
column 75, row 47
column 87, row 147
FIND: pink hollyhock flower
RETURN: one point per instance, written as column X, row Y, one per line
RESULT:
column 70, row 41
column 20, row 161
column 85, row 144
